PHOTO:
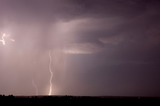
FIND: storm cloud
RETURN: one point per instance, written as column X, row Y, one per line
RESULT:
column 99, row 47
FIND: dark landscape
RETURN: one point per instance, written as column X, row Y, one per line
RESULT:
column 95, row 100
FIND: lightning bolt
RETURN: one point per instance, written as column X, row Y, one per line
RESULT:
column 2, row 40
column 7, row 38
column 35, row 86
column 51, row 73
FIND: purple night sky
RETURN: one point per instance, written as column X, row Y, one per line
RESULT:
column 92, row 47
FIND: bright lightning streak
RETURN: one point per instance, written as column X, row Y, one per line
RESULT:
column 2, row 40
column 35, row 86
column 50, row 69
column 5, row 38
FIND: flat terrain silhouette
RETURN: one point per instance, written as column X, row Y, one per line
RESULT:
column 94, row 100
